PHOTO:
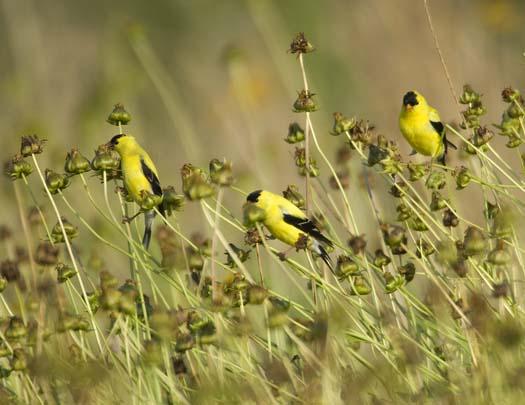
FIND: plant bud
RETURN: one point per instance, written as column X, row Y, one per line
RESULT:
column 195, row 184
column 380, row 259
column 70, row 230
column 391, row 166
column 16, row 329
column 502, row 224
column 346, row 267
column 463, row 177
column 64, row 272
column 184, row 342
column 403, row 212
column 295, row 133
column 424, row 249
column 301, row 45
column 241, row 254
column 408, row 271
column 293, row 195
column 106, row 159
column 513, row 142
column 342, row 124
column 195, row 260
column 474, row 242
column 438, row 202
column 416, row 171
column 31, row 145
column 500, row 256
column 257, row 294
column 447, row 253
column 19, row 360
column 469, row 95
column 357, row 243
column 393, row 283
column 17, row 168
column 360, row 286
column 119, row 116
column 393, row 235
column 376, row 154
column 110, row 299
column 47, row 254
column 399, row 189
column 171, row 201
column 221, row 173
column 416, row 223
column 56, row 182
column 305, row 102
column 509, row 95
column 252, row 214
column 450, row 220
column 76, row 163
column 93, row 300
column 436, row 180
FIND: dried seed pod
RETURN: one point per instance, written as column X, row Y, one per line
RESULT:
column 293, row 195
column 17, row 167
column 438, row 202
column 393, row 283
column 76, row 163
column 31, row 145
column 221, row 173
column 416, row 171
column 295, row 133
column 305, row 102
column 500, row 255
column 56, row 182
column 70, row 230
column 300, row 44
column 195, row 184
column 342, row 124
column 119, row 115
column 171, row 200
column 64, row 272
column 474, row 242
column 408, row 271
column 346, row 267
column 380, row 259
column 450, row 219
column 436, row 180
column 424, row 248
column 360, row 286
column 357, row 243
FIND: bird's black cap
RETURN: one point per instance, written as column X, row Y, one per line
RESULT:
column 114, row 140
column 410, row 99
column 254, row 196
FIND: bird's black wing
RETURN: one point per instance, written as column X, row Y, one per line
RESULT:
column 152, row 178
column 440, row 129
column 307, row 226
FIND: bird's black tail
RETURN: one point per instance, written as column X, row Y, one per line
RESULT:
column 324, row 255
column 149, row 217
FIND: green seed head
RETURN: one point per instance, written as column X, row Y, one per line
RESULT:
column 56, row 182
column 76, row 163
column 342, row 124
column 17, row 167
column 305, row 102
column 295, row 133
column 119, row 115
column 221, row 173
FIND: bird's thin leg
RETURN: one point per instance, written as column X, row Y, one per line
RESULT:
column 127, row 220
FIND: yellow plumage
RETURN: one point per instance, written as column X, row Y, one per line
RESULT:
column 275, row 206
column 132, row 155
column 140, row 179
column 287, row 222
column 419, row 123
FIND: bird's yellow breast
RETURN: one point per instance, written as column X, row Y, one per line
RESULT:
column 134, row 179
column 420, row 134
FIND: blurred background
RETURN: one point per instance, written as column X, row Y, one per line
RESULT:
column 206, row 78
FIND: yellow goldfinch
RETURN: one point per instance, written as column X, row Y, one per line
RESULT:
column 140, row 177
column 422, row 128
column 287, row 222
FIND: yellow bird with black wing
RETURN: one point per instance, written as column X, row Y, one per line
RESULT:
column 421, row 126
column 140, row 177
column 288, row 223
